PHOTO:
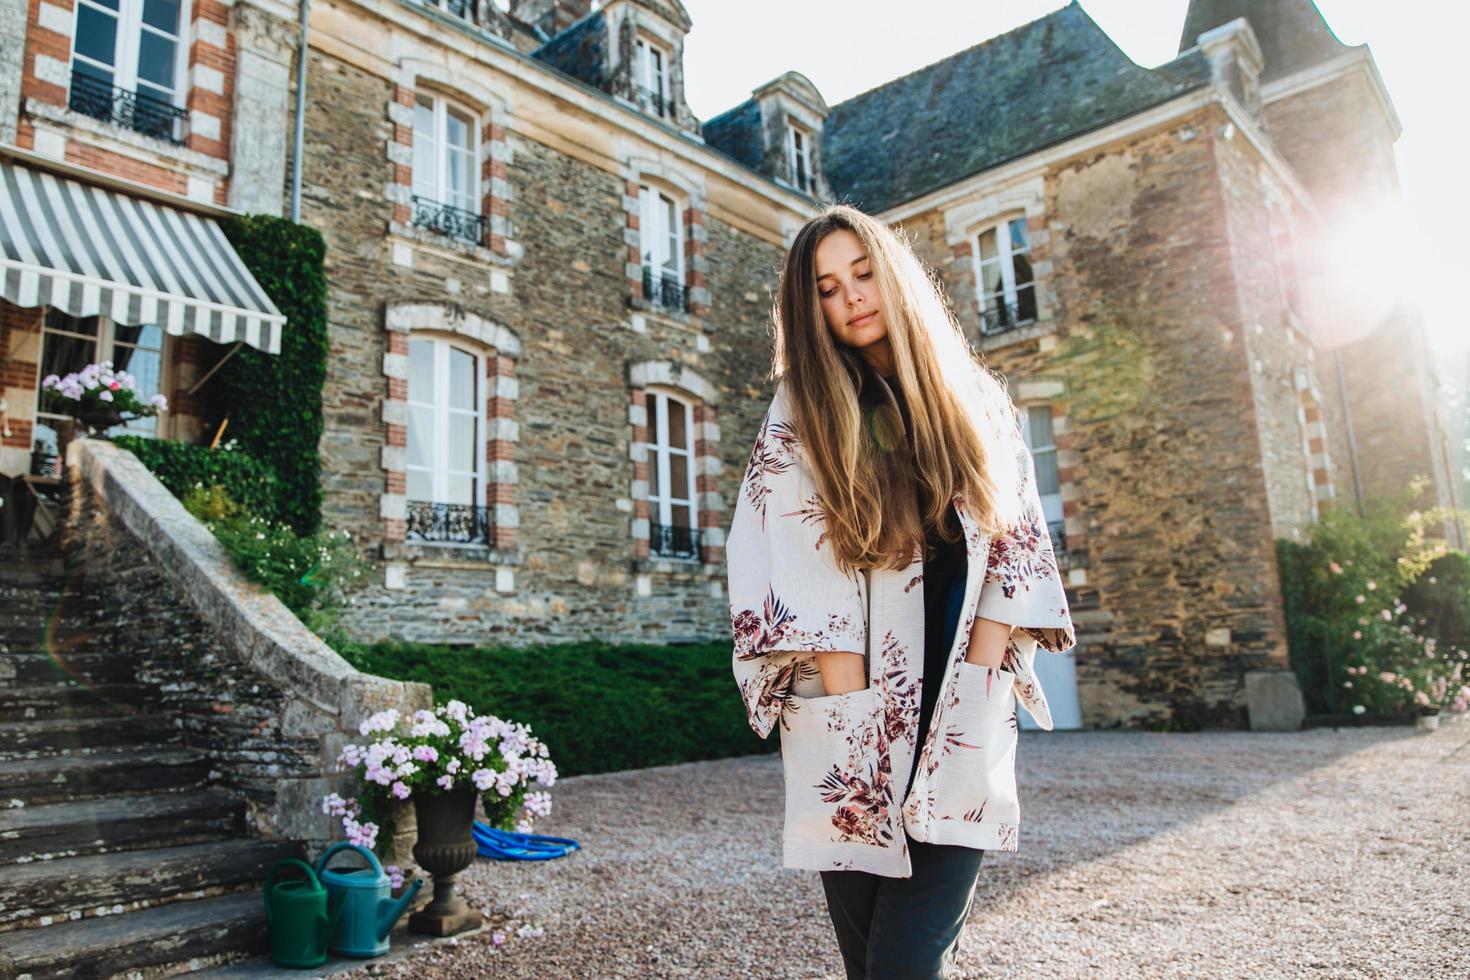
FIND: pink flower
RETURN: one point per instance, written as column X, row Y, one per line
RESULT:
column 1361, row 599
column 401, row 791
column 498, row 939
column 1335, row 568
column 426, row 753
column 445, row 782
column 1357, row 634
column 105, row 396
column 114, row 386
column 1387, row 677
column 1387, row 616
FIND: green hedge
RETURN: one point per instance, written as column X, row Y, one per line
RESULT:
column 183, row 467
column 274, row 401
column 598, row 708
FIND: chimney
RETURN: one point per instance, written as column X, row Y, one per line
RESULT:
column 1235, row 61
column 551, row 16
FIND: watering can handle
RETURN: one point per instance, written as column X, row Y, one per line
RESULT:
column 343, row 845
column 271, row 876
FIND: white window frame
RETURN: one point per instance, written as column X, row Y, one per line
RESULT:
column 438, row 468
column 661, row 507
column 650, row 212
column 798, row 154
column 1005, row 256
column 1051, row 503
column 105, row 339
column 126, row 43
column 441, row 106
column 650, row 78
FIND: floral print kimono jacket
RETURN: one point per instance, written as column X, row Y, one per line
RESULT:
column 847, row 757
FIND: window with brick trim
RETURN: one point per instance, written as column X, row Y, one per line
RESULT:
column 673, row 516
column 651, row 77
column 445, row 459
column 1036, row 427
column 446, row 191
column 661, row 244
column 1003, row 276
column 70, row 343
column 128, row 63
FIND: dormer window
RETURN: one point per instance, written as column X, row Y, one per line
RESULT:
column 651, row 77
column 798, row 152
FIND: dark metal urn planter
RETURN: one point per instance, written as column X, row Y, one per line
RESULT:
column 445, row 848
column 99, row 420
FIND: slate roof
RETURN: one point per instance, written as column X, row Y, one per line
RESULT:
column 580, row 51
column 1012, row 95
column 737, row 134
column 1292, row 33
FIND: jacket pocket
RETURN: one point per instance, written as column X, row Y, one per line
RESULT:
column 834, row 756
column 976, row 776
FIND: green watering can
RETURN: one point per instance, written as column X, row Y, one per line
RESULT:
column 366, row 897
column 296, row 912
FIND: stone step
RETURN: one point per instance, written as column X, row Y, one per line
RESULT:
column 73, row 700
column 113, row 823
column 122, row 881
column 105, row 946
column 24, row 668
column 56, row 778
column 20, row 739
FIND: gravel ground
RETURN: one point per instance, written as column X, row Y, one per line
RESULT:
column 1235, row 854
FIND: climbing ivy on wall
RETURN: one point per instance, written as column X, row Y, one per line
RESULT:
column 274, row 401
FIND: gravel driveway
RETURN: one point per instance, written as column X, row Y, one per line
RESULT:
column 1320, row 853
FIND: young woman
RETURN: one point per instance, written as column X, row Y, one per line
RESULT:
column 890, row 579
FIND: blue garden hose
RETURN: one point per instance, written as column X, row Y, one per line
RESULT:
column 504, row 845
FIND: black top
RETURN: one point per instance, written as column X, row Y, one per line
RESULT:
column 945, row 569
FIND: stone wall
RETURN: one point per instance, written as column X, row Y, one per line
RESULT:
column 269, row 702
column 573, row 565
column 1142, row 355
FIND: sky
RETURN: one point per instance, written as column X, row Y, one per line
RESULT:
column 849, row 46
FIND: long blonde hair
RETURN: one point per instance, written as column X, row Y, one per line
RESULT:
column 964, row 426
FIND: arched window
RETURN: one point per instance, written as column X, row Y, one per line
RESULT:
column 673, row 516
column 445, row 466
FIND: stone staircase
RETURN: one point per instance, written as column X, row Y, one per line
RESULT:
column 117, row 856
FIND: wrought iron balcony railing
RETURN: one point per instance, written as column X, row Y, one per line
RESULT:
column 666, row 541
column 1000, row 317
column 134, row 110
column 448, row 220
column 664, row 291
column 652, row 101
column 1057, row 531
column 448, row 523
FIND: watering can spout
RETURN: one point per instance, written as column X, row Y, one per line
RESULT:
column 390, row 910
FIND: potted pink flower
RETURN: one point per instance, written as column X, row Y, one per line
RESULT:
column 442, row 761
column 99, row 397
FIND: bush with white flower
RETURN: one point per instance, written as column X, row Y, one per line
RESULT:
column 97, row 388
column 438, row 751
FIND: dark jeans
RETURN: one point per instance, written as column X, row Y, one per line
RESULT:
column 901, row 928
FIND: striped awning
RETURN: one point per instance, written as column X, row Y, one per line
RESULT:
column 88, row 251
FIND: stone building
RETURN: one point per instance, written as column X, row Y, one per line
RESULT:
column 121, row 141
column 551, row 284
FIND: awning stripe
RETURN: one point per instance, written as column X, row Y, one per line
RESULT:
column 87, row 250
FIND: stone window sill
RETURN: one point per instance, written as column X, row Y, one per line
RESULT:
column 675, row 566
column 179, row 156
column 425, row 555
column 1031, row 331
column 454, row 247
column 678, row 317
